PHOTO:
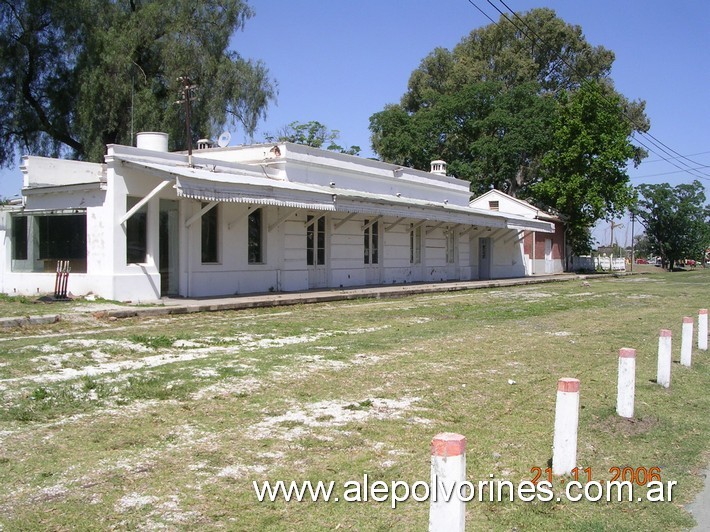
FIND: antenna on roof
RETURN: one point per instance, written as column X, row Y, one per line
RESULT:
column 224, row 139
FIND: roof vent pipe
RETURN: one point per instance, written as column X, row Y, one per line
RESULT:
column 152, row 140
column 438, row 167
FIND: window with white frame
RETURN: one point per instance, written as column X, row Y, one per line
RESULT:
column 451, row 241
column 315, row 241
column 371, row 242
column 19, row 237
column 256, row 237
column 136, row 233
column 415, row 245
column 210, row 235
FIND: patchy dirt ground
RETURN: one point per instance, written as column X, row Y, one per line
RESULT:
column 164, row 423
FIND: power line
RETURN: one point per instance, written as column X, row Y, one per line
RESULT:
column 656, row 142
column 687, row 170
column 689, row 155
column 481, row 10
column 660, row 146
column 661, row 174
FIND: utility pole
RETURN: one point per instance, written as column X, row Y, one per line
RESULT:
column 613, row 226
column 187, row 95
column 611, row 245
column 633, row 244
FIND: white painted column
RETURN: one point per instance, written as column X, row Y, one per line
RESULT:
column 626, row 385
column 663, row 373
column 448, row 472
column 686, row 345
column 564, row 446
column 703, row 329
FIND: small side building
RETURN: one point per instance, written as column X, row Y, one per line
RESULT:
column 544, row 252
column 278, row 217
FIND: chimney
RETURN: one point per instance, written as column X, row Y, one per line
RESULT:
column 438, row 167
column 204, row 144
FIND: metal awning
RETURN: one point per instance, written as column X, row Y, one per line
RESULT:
column 205, row 191
column 253, row 187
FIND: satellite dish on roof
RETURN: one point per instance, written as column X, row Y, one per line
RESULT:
column 224, row 139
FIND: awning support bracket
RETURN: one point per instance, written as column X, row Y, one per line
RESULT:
column 282, row 219
column 434, row 228
column 144, row 201
column 517, row 237
column 200, row 213
column 313, row 220
column 344, row 220
column 395, row 223
column 372, row 222
column 250, row 210
column 467, row 231
column 418, row 225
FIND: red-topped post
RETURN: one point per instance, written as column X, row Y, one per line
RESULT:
column 564, row 446
column 448, row 472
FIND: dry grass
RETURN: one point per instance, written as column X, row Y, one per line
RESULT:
column 165, row 422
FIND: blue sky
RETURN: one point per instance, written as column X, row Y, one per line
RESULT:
column 339, row 62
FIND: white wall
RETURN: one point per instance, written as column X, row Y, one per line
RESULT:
column 43, row 172
column 284, row 266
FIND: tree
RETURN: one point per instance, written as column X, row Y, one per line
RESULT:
column 76, row 75
column 675, row 220
column 312, row 134
column 583, row 175
column 489, row 135
column 491, row 108
column 642, row 246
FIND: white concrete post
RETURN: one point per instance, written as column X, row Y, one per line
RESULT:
column 686, row 345
column 626, row 385
column 564, row 446
column 703, row 329
column 663, row 373
column 448, row 472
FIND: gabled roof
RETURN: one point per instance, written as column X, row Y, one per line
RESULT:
column 493, row 195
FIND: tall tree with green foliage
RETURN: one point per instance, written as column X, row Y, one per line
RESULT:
column 583, row 174
column 312, row 134
column 675, row 219
column 78, row 74
column 491, row 108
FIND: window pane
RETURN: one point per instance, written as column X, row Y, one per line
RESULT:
column 321, row 240
column 414, row 246
column 62, row 237
column 255, row 237
column 19, row 237
column 309, row 242
column 366, row 242
column 210, row 244
column 136, row 233
column 375, row 243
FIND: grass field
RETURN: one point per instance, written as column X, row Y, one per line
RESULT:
column 165, row 422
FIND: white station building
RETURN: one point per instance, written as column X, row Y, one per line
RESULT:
column 148, row 223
